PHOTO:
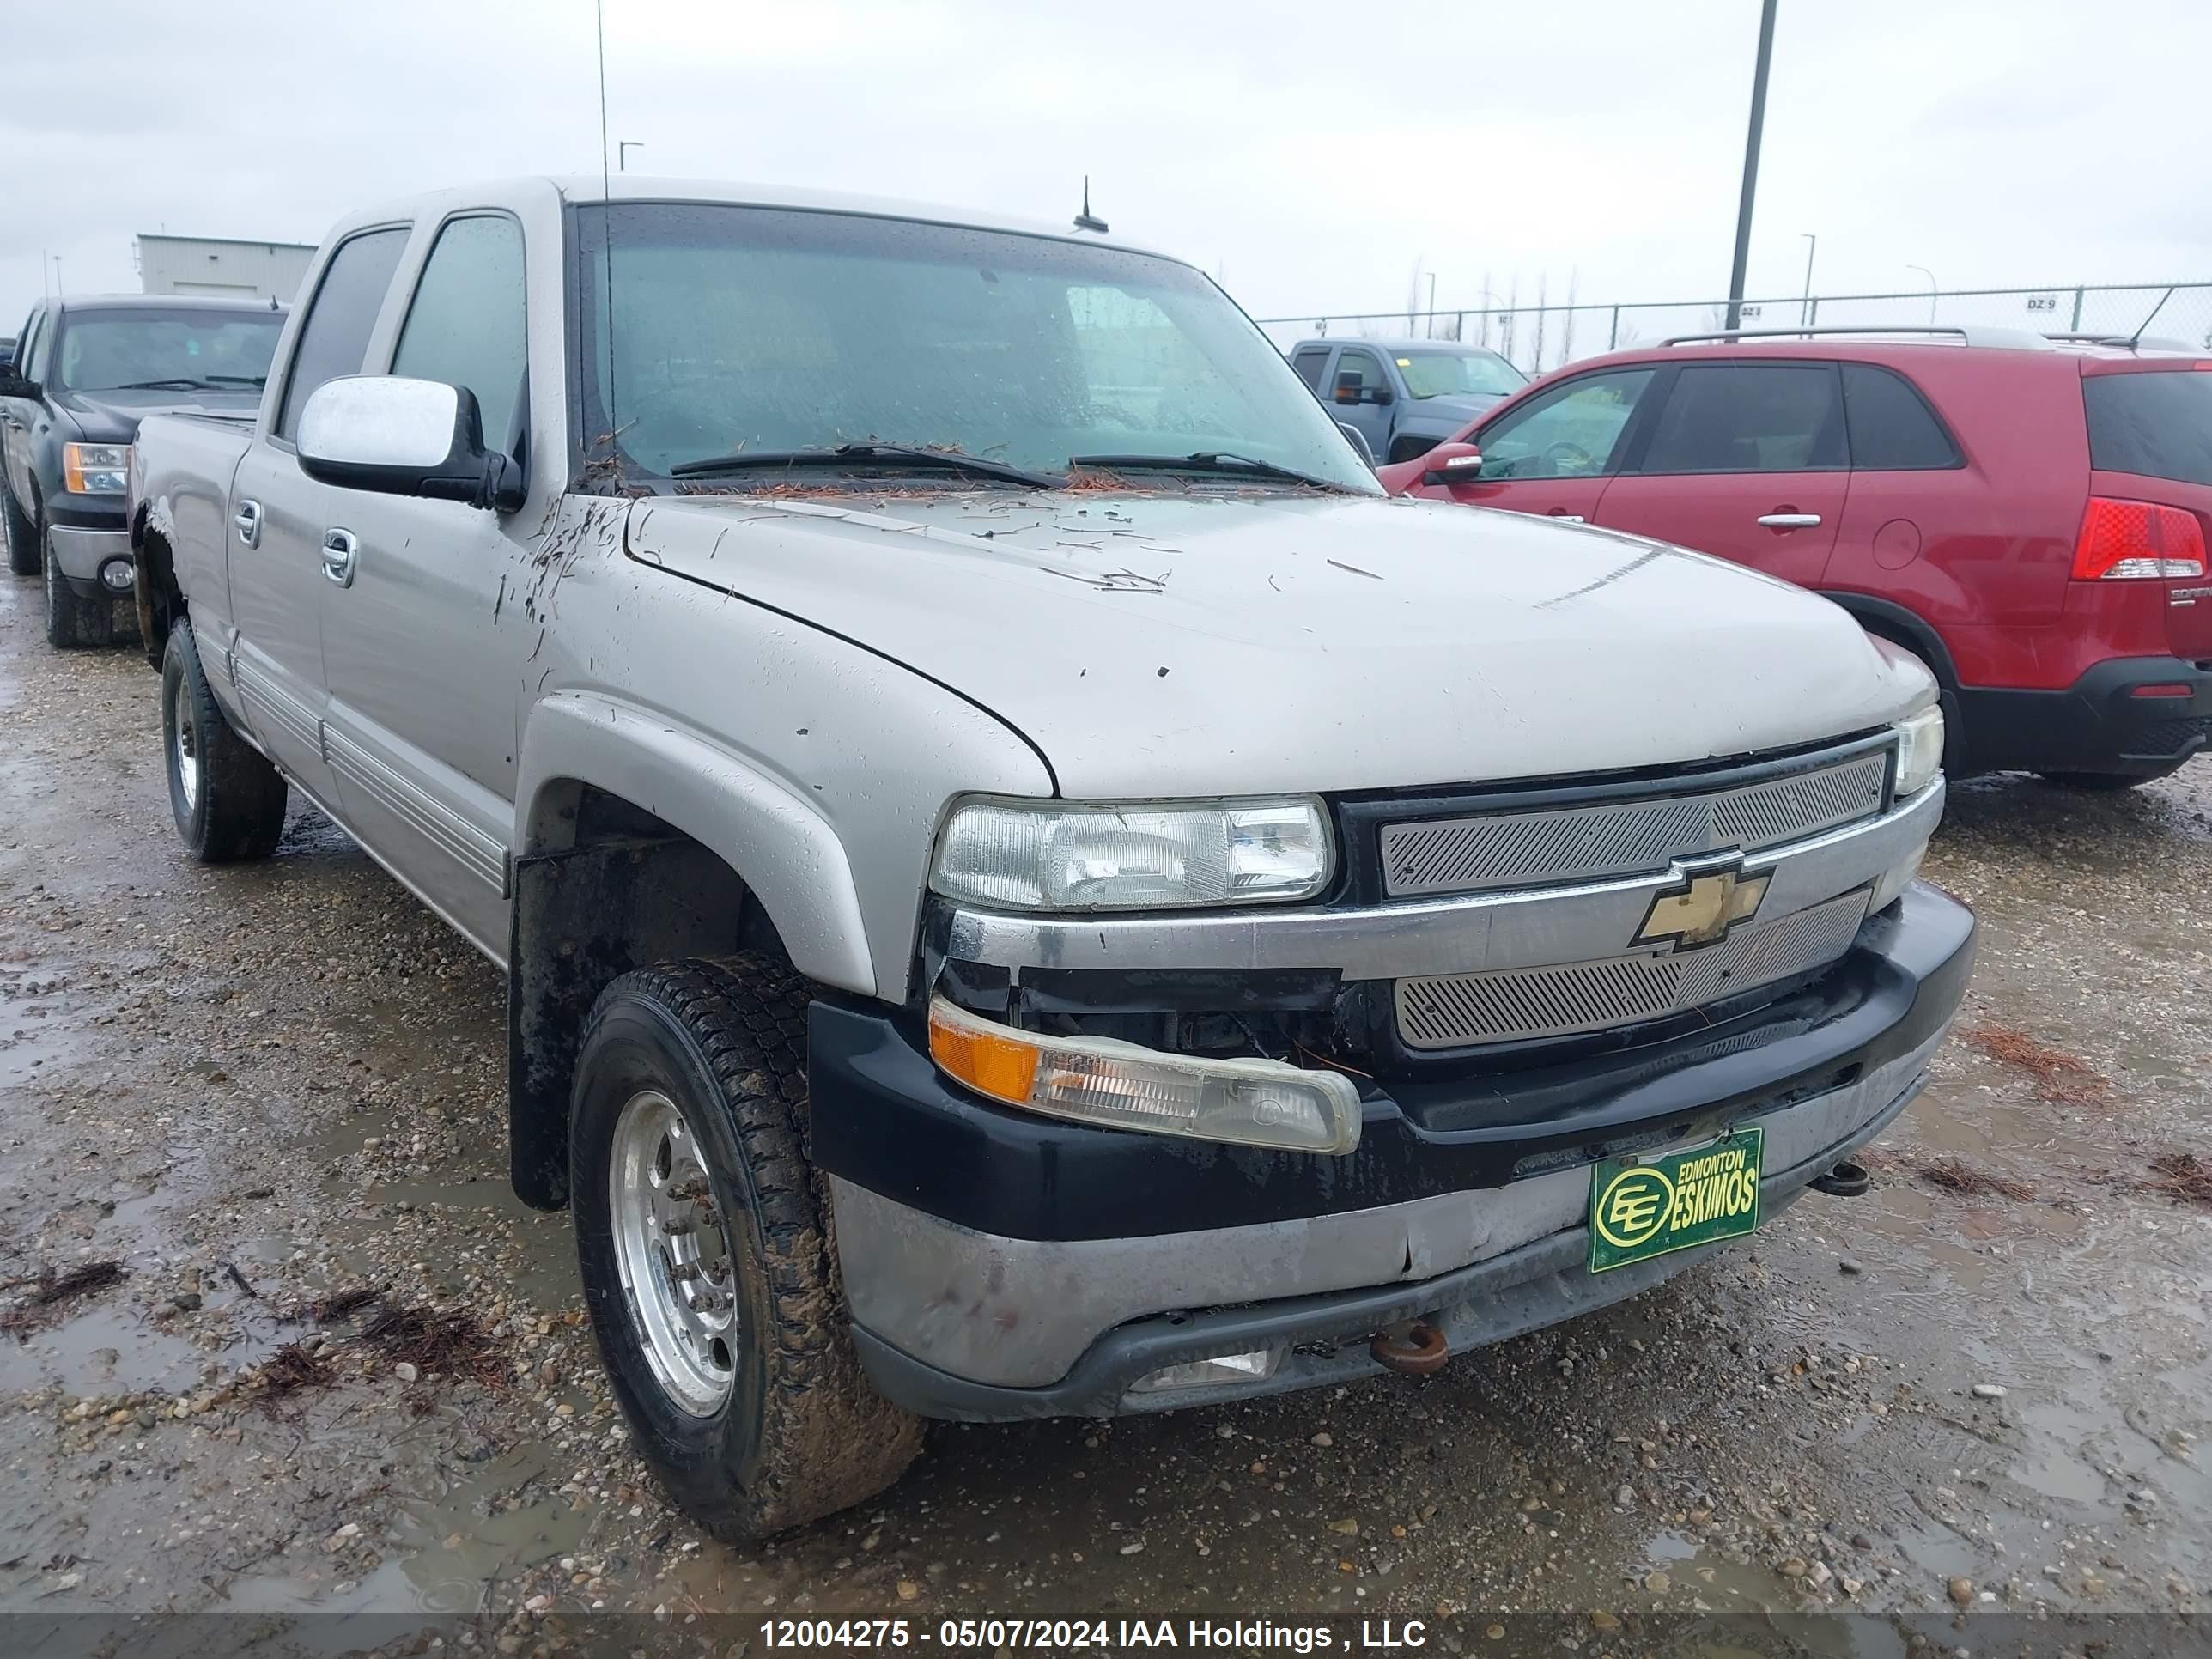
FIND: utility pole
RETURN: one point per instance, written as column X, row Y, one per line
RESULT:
column 1432, row 305
column 1811, row 246
column 1750, row 164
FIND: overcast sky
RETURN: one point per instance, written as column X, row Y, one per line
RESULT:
column 1994, row 141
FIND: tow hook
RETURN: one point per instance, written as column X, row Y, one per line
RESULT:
column 1846, row 1180
column 1417, row 1349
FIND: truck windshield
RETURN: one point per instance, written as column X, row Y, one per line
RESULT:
column 107, row 350
column 1458, row 373
column 711, row 330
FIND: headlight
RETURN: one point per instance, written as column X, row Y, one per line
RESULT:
column 1919, row 752
column 1054, row 856
column 1124, row 1085
column 94, row 469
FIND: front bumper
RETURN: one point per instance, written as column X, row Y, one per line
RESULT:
column 78, row 555
column 1001, row 1265
column 2096, row 725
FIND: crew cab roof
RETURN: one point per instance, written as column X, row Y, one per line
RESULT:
column 158, row 302
column 585, row 189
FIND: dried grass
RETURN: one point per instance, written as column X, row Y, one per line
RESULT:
column 450, row 1344
column 1954, row 1176
column 51, row 1289
column 2064, row 1079
column 2182, row 1176
column 291, row 1369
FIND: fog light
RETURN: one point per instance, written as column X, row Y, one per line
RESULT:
column 116, row 575
column 1253, row 1367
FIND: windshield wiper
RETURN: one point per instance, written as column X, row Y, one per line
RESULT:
column 238, row 380
column 1205, row 460
column 903, row 456
column 176, row 383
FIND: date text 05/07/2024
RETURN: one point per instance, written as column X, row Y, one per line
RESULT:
column 993, row 1635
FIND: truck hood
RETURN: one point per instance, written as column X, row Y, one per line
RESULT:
column 1243, row 642
column 113, row 417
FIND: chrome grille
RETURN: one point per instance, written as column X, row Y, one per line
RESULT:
column 1638, row 837
column 1453, row 1011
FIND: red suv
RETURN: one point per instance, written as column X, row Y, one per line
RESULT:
column 2027, row 515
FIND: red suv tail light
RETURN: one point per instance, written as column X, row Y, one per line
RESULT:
column 2137, row 541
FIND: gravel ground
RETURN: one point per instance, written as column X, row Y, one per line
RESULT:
column 256, row 1089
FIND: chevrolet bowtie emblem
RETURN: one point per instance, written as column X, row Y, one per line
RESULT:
column 1709, row 902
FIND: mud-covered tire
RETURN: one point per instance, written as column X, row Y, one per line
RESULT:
column 24, row 555
column 73, row 620
column 233, row 807
column 800, row 1433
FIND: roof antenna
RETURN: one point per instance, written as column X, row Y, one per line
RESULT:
column 2137, row 336
column 606, row 226
column 1086, row 220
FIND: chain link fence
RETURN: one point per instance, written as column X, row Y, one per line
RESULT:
column 1534, row 338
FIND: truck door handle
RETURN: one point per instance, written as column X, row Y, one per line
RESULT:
column 1790, row 520
column 340, row 549
column 247, row 518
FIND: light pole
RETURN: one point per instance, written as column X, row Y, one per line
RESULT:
column 1750, row 164
column 1811, row 246
column 1432, row 305
column 622, row 149
column 1930, row 276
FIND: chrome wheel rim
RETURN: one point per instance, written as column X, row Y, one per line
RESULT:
column 673, row 1249
column 184, row 744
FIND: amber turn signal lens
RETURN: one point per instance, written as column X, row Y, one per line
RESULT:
column 1003, row 1067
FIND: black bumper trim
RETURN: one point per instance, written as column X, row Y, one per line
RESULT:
column 2095, row 725
column 883, row 1117
column 1524, row 1290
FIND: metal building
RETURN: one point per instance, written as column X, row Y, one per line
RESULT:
column 216, row 265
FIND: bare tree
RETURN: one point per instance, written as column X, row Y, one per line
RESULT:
column 1567, row 339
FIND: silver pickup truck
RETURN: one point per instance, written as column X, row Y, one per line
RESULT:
column 1027, row 886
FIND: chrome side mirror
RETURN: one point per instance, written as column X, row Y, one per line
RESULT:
column 397, row 436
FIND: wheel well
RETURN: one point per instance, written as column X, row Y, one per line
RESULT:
column 610, row 887
column 1899, row 626
column 161, row 602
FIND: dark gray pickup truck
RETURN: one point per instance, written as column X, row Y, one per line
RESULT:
column 85, row 372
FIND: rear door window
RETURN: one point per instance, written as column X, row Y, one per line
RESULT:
column 1893, row 429
column 1749, row 418
column 334, row 338
column 2157, row 423
column 30, row 350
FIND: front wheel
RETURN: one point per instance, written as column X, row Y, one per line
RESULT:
column 71, row 619
column 704, row 1237
column 227, row 801
column 23, row 557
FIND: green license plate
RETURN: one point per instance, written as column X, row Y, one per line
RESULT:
column 1643, row 1207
